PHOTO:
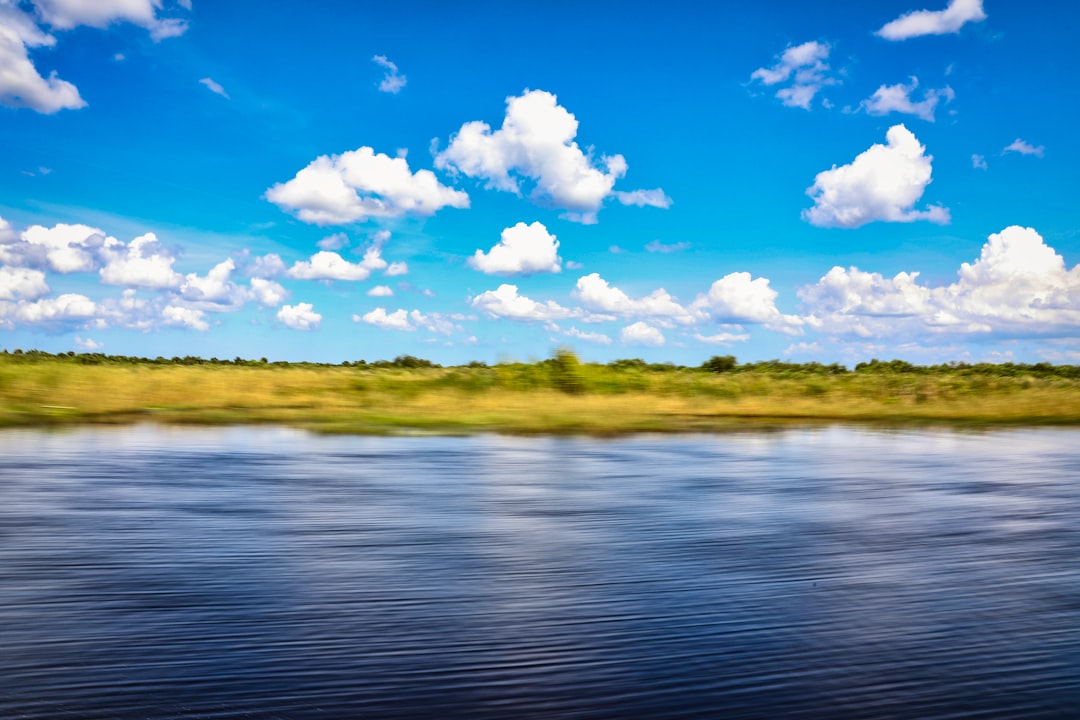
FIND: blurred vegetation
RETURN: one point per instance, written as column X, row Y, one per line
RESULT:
column 559, row 394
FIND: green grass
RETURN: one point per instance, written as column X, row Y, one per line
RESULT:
column 559, row 395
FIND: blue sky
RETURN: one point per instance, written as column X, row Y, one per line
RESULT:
column 339, row 181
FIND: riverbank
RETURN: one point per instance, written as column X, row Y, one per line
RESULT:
column 559, row 395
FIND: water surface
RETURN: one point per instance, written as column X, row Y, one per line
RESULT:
column 172, row 573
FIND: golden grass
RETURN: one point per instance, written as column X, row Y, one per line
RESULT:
column 514, row 399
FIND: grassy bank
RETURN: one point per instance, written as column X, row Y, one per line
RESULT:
column 559, row 395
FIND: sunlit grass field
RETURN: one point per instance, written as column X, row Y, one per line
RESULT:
column 558, row 395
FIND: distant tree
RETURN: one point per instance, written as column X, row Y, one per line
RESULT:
column 566, row 371
column 720, row 363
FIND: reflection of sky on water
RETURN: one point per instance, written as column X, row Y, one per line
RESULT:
column 909, row 573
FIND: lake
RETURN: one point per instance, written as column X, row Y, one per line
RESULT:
column 154, row 572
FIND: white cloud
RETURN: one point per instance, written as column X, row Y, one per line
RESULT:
column 409, row 321
column 724, row 339
column 644, row 198
column 22, row 284
column 336, row 241
column 1024, row 148
column 87, row 344
column 655, row 246
column 392, row 82
column 536, row 142
column 267, row 266
column 738, row 298
column 934, row 22
column 215, row 291
column 505, row 302
column 326, row 265
column 267, row 292
column 62, row 248
column 978, row 162
column 301, row 316
column 882, row 183
column 1018, row 287
column 523, row 249
column 69, row 309
column 362, row 184
column 897, row 98
column 641, row 333
column 68, row 14
column 215, row 87
column 803, row 66
column 179, row 316
column 143, row 263
column 588, row 336
column 397, row 320
column 596, row 294
column 397, row 268
column 21, row 85
column 380, row 291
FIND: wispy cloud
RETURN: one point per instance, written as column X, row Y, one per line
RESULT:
column 393, row 81
column 934, row 22
column 215, row 87
column 1024, row 148
column 802, row 71
column 897, row 98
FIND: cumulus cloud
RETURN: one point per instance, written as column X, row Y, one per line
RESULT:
column 1024, row 148
column 505, row 302
column 301, row 316
column 267, row 266
column 934, row 22
column 62, row 248
column 267, row 292
column 739, row 298
column 641, row 333
column 523, row 249
column 65, row 311
column 143, row 263
column 408, row 321
column 882, row 183
column 215, row 87
column 68, row 14
column 88, row 344
column 396, row 268
column 359, row 185
column 897, row 98
column 185, row 317
column 802, row 71
column 380, row 291
column 327, row 265
column 214, row 291
column 979, row 162
column 536, row 143
column 21, row 85
column 22, row 284
column 596, row 294
column 397, row 320
column 392, row 81
column 1018, row 287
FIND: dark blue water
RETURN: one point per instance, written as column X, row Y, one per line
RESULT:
column 266, row 573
